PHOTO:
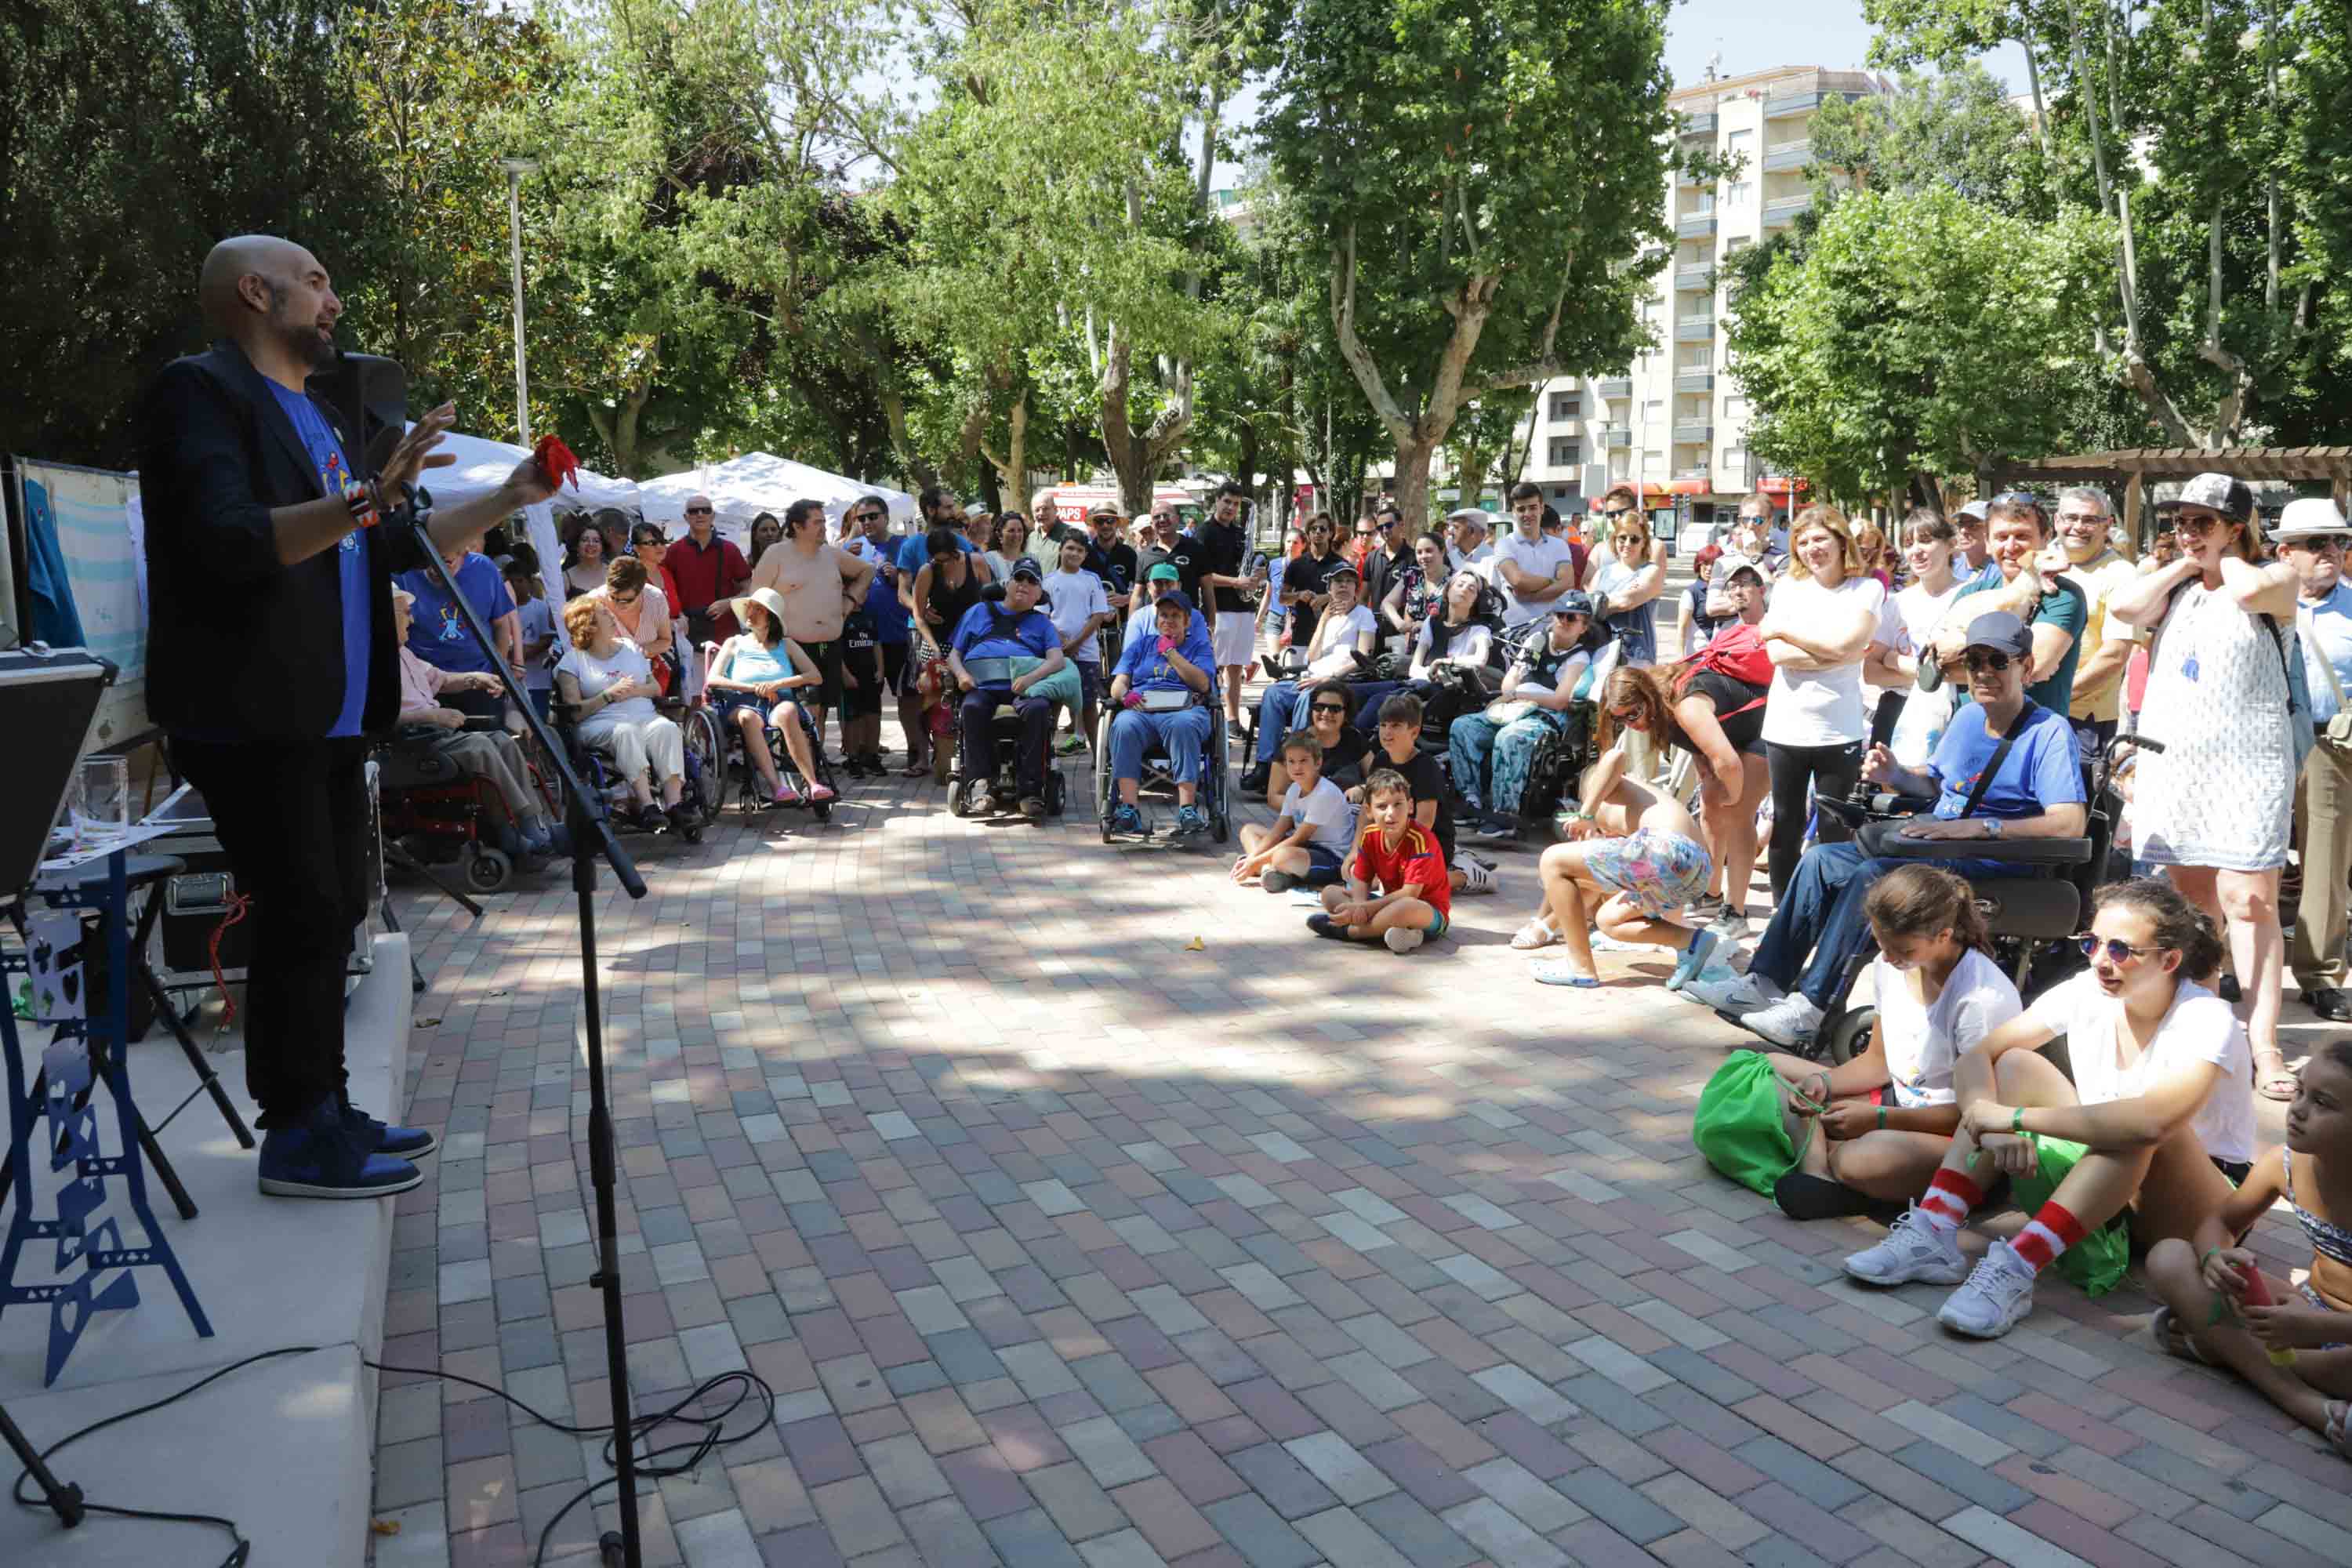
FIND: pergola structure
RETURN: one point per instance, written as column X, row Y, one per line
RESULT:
column 2130, row 470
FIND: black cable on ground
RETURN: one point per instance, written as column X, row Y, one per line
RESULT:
column 653, row 1463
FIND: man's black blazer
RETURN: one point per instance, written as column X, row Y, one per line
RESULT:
column 238, row 644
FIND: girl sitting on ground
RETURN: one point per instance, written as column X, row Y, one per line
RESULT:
column 1633, row 862
column 2162, row 1102
column 1884, row 1119
column 2298, row 1353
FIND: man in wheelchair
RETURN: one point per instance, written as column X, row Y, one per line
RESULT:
column 983, row 655
column 429, row 727
column 1156, row 699
column 2006, row 770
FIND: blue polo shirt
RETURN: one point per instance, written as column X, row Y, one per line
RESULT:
column 2326, row 627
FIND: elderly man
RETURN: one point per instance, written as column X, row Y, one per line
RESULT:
column 987, row 641
column 1466, row 544
column 2099, row 568
column 1973, row 553
column 710, row 574
column 2312, row 537
column 2006, row 768
column 1155, row 541
column 272, row 657
column 821, row 584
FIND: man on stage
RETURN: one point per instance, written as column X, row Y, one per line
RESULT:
column 270, row 659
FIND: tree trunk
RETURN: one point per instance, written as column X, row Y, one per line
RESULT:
column 1013, row 468
column 1414, row 460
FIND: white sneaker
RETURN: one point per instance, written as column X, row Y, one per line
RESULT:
column 1400, row 939
column 1791, row 1022
column 1914, row 1248
column 1604, row 942
column 1997, row 1296
column 1740, row 993
column 1477, row 877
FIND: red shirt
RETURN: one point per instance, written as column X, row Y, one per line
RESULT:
column 1416, row 859
column 704, row 577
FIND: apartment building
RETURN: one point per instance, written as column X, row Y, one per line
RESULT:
column 1674, row 422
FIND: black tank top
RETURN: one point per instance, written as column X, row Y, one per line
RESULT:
column 951, row 602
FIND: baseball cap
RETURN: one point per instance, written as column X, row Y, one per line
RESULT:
column 1575, row 602
column 2311, row 517
column 1731, row 566
column 1163, row 573
column 2219, row 492
column 2000, row 630
column 1975, row 509
column 1025, row 569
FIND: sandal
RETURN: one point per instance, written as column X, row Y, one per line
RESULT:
column 2175, row 1340
column 2280, row 1085
column 1536, row 933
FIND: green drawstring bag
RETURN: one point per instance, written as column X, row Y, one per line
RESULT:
column 1739, row 1126
column 1062, row 686
column 2098, row 1262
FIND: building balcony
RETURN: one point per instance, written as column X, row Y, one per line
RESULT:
column 1694, row 381
column 1783, row 105
column 1614, row 438
column 1781, row 212
column 1692, row 432
column 1788, row 156
column 1694, row 330
column 1697, row 226
column 1699, row 279
column 1614, row 386
column 1699, row 473
column 1698, row 124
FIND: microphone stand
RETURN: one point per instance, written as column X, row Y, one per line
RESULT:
column 591, row 831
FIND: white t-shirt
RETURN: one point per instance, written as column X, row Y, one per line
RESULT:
column 1819, row 706
column 1077, row 597
column 1328, row 809
column 1470, row 644
column 1339, row 655
column 2201, row 1028
column 625, row 662
column 1924, row 1041
column 1540, row 557
column 1906, row 622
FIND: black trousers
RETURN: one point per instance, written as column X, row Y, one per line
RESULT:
column 978, row 716
column 291, row 817
column 1831, row 770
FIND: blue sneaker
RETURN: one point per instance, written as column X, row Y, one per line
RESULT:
column 1126, row 820
column 1702, row 947
column 401, row 1143
column 1189, row 820
column 320, row 1157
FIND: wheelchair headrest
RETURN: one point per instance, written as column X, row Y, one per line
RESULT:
column 993, row 593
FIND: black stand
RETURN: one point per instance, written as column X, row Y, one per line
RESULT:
column 63, row 1498
column 592, row 834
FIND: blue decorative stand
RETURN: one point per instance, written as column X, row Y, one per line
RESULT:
column 66, row 1118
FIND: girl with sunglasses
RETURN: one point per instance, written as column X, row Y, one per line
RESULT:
column 2292, row 1342
column 2214, row 807
column 2159, row 1104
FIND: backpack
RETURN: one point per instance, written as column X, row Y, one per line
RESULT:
column 1735, row 651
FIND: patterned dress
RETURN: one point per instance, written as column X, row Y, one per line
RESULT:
column 2221, row 792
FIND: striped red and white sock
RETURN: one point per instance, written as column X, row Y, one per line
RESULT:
column 1950, row 1198
column 2053, row 1230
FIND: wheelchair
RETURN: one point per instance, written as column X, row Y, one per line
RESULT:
column 1004, row 763
column 2033, row 917
column 1156, row 782
column 735, row 770
column 702, row 776
column 439, row 814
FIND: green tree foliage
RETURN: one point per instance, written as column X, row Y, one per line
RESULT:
column 1919, row 335
column 1486, row 181
column 1956, row 129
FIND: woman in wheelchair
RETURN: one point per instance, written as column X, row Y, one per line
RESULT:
column 428, row 725
column 2156, row 1124
column 747, row 684
column 1453, row 650
column 1491, row 751
column 1156, row 696
column 608, row 682
column 1883, row 1120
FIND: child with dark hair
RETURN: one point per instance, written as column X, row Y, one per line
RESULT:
column 1397, row 747
column 1883, row 1121
column 2221, row 1309
column 1399, row 858
column 2161, row 1108
column 1308, row 838
column 539, row 631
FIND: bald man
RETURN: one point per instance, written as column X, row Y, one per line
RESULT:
column 709, row 572
column 270, row 659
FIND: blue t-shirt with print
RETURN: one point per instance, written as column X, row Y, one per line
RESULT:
column 2043, row 768
column 1149, row 670
column 351, row 555
column 436, row 632
column 991, row 631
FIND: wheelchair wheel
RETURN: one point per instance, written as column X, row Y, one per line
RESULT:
column 1057, row 793
column 956, row 799
column 705, row 762
column 1105, row 785
column 488, row 869
column 1845, row 1037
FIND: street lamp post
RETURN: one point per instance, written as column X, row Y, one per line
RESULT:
column 516, row 169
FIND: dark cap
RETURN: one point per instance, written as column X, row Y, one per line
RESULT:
column 1575, row 602
column 1163, row 573
column 2004, row 633
column 1025, row 571
column 2220, row 492
column 1174, row 596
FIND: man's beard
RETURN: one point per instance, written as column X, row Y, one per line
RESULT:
column 313, row 348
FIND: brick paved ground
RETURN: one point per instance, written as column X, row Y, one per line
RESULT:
column 1064, row 1239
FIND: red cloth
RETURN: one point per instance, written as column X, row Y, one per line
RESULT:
column 706, row 577
column 1417, row 857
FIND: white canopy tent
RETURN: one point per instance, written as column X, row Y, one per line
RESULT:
column 483, row 465
column 742, row 488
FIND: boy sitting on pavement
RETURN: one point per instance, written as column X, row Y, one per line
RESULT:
column 1632, row 862
column 1400, row 858
column 1310, row 838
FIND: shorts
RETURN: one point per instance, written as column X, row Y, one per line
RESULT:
column 1438, row 924
column 1090, row 680
column 725, row 705
column 1322, row 865
column 865, row 698
column 1235, row 638
column 1657, row 872
column 827, row 658
column 894, row 666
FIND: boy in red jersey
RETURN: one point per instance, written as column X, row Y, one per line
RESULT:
column 1402, row 858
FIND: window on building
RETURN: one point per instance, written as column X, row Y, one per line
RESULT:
column 1735, row 408
column 1654, row 411
column 1738, row 192
column 1567, row 454
column 1567, row 405
column 1737, row 244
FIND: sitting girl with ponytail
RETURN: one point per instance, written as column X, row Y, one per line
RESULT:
column 2157, row 1124
column 1882, row 1123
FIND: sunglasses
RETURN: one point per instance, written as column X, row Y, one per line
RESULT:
column 1613, row 514
column 2118, row 952
column 1339, row 707
column 1987, row 663
column 625, row 603
column 1628, row 717
column 2017, row 497
column 2196, row 527
column 697, row 511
